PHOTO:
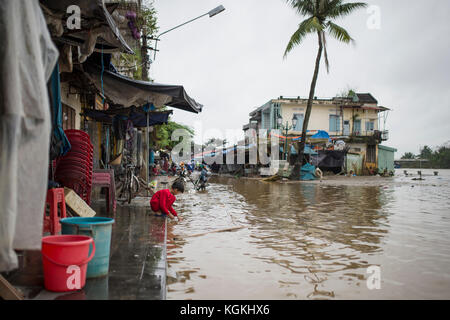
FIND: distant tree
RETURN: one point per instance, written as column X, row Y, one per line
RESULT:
column 348, row 92
column 408, row 155
column 426, row 153
column 441, row 158
column 164, row 134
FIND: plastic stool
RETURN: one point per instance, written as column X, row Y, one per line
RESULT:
column 51, row 221
column 105, row 179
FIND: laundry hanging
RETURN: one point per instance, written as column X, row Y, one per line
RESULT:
column 27, row 58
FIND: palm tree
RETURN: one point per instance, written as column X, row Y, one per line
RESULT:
column 320, row 16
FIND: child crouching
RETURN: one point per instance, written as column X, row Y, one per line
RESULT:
column 162, row 201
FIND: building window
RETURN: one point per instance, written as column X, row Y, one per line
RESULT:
column 335, row 123
column 68, row 117
column 357, row 127
column 300, row 118
column 370, row 125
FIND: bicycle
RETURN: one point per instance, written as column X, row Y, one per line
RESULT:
column 128, row 184
column 200, row 184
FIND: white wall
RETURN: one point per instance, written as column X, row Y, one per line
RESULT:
column 320, row 116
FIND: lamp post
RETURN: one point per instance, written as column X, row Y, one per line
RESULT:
column 286, row 128
column 211, row 14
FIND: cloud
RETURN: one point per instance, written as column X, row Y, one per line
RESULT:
column 233, row 62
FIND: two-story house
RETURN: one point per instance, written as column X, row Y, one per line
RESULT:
column 357, row 120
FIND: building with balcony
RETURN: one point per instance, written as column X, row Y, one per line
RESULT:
column 358, row 121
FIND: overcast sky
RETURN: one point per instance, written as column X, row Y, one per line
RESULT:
column 233, row 63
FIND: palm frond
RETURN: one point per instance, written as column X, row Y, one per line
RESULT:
column 303, row 7
column 340, row 10
column 338, row 32
column 306, row 27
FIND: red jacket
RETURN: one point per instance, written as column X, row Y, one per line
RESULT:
column 163, row 200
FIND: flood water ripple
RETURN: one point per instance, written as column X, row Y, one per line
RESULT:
column 312, row 241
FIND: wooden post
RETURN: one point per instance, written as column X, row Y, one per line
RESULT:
column 8, row 292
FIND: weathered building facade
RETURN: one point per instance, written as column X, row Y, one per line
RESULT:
column 358, row 121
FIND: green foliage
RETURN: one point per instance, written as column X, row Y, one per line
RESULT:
column 441, row 158
column 146, row 22
column 320, row 15
column 426, row 153
column 164, row 134
column 348, row 92
column 408, row 155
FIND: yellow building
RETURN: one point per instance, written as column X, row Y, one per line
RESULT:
column 358, row 121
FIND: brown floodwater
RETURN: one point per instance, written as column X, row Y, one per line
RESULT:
column 312, row 241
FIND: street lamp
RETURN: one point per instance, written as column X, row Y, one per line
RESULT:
column 211, row 14
column 286, row 128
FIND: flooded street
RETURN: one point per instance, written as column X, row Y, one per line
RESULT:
column 312, row 240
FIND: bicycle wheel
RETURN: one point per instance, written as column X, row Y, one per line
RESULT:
column 128, row 194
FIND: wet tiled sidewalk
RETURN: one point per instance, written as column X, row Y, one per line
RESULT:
column 138, row 256
column 137, row 269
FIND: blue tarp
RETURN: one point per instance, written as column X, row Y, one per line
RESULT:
column 307, row 172
column 321, row 135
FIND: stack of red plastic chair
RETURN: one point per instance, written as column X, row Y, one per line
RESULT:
column 74, row 170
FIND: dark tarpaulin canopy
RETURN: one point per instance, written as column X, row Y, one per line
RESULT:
column 126, row 92
column 111, row 40
column 136, row 115
column 329, row 159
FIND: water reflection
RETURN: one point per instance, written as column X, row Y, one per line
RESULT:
column 313, row 229
column 304, row 241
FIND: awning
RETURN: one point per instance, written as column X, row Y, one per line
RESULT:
column 107, row 36
column 136, row 115
column 127, row 92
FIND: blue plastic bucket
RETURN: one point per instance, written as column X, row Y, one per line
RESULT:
column 100, row 230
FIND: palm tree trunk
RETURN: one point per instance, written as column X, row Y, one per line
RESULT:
column 295, row 175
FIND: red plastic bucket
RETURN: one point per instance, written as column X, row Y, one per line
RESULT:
column 65, row 261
